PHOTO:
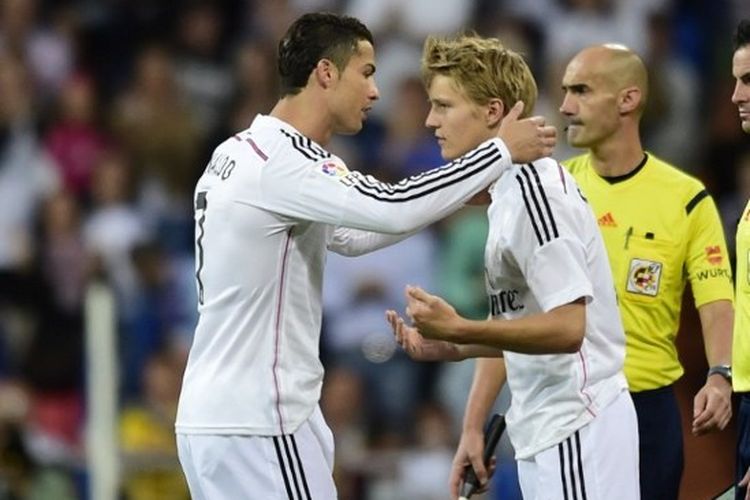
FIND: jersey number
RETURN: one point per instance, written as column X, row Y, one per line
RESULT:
column 200, row 205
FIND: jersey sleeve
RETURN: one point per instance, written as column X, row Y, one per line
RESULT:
column 353, row 242
column 549, row 244
column 707, row 260
column 324, row 190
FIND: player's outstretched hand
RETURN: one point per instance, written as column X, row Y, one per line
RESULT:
column 432, row 316
column 470, row 452
column 417, row 347
column 712, row 406
column 528, row 139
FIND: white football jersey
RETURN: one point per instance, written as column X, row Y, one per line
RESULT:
column 269, row 205
column 544, row 250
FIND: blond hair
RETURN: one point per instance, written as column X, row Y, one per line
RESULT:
column 482, row 68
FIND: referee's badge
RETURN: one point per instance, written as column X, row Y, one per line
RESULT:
column 644, row 277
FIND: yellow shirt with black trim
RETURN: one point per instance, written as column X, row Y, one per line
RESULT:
column 661, row 229
column 741, row 337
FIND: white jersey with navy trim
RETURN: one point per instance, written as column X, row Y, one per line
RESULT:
column 269, row 205
column 544, row 250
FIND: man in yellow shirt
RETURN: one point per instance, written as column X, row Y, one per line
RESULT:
column 741, row 342
column 661, row 229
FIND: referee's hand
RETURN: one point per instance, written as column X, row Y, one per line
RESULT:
column 528, row 139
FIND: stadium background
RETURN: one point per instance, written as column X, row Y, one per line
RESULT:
column 108, row 112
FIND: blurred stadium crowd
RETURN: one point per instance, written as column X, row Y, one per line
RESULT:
column 109, row 110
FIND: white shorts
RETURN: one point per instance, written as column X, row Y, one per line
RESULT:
column 296, row 466
column 598, row 462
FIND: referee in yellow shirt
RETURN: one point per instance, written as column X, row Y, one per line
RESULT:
column 661, row 229
column 741, row 345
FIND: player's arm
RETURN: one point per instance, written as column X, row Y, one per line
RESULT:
column 559, row 330
column 489, row 378
column 353, row 242
column 324, row 191
column 710, row 278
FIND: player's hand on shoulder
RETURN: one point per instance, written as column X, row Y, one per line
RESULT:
column 528, row 139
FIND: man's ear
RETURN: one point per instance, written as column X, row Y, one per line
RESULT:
column 325, row 73
column 629, row 100
column 495, row 111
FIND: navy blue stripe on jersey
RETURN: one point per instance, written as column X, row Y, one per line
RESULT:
column 540, row 187
column 280, row 458
column 409, row 189
column 580, row 465
column 561, row 456
column 426, row 178
column 529, row 211
column 306, row 147
column 696, row 199
column 299, row 466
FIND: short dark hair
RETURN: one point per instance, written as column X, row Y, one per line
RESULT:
column 742, row 36
column 313, row 37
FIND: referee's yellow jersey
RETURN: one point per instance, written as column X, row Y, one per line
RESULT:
column 741, row 338
column 661, row 229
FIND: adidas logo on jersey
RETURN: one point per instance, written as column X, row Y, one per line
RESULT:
column 607, row 220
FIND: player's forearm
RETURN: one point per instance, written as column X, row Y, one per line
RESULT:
column 717, row 319
column 489, row 377
column 467, row 351
column 355, row 242
column 560, row 330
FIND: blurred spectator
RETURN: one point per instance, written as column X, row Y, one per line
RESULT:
column 343, row 405
column 431, row 456
column 27, row 174
column 114, row 227
column 255, row 84
column 21, row 477
column 152, row 471
column 156, row 125
column 201, row 71
column 47, row 49
column 670, row 119
column 75, row 139
column 162, row 315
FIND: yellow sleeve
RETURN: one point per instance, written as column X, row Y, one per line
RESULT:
column 707, row 262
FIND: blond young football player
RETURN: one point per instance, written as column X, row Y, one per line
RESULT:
column 741, row 338
column 661, row 229
column 269, row 205
column 554, row 316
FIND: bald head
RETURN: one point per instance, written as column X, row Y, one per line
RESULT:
column 614, row 66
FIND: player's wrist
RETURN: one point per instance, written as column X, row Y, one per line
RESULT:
column 718, row 372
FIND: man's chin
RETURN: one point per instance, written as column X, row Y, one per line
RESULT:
column 746, row 126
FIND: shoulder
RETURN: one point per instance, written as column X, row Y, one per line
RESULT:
column 686, row 188
column 670, row 174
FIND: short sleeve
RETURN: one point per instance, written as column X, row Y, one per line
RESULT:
column 707, row 260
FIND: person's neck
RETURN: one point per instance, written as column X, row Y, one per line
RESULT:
column 302, row 111
column 618, row 156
